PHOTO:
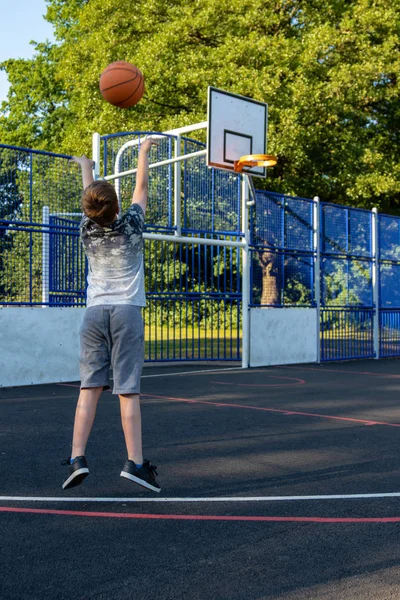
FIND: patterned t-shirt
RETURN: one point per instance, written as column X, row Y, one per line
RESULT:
column 115, row 256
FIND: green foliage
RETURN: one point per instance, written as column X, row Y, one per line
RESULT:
column 328, row 69
column 297, row 293
column 36, row 111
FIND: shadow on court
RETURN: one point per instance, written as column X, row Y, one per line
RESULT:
column 277, row 483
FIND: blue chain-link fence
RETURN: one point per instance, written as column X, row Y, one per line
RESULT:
column 347, row 308
column 285, row 255
column 194, row 301
column 194, row 292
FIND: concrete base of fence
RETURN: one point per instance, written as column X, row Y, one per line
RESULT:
column 283, row 336
column 39, row 345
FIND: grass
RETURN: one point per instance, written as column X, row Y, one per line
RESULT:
column 189, row 343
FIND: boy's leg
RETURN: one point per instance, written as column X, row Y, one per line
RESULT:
column 135, row 469
column 127, row 361
column 94, row 366
column 84, row 417
column 132, row 425
column 94, row 369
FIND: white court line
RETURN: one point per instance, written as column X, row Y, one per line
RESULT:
column 215, row 499
column 191, row 373
column 194, row 372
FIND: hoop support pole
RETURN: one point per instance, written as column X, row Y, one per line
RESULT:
column 245, row 275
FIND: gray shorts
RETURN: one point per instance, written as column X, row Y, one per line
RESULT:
column 112, row 336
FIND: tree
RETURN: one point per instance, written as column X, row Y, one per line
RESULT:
column 36, row 111
column 327, row 68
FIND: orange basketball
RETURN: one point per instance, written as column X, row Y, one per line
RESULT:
column 122, row 84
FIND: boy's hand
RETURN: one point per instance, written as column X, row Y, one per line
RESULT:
column 146, row 145
column 83, row 161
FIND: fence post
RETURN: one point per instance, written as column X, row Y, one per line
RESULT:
column 375, row 282
column 245, row 276
column 96, row 143
column 45, row 256
column 317, row 270
column 177, row 186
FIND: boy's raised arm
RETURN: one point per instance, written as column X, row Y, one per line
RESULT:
column 142, row 175
column 86, row 165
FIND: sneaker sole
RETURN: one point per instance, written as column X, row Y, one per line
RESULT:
column 76, row 478
column 140, row 481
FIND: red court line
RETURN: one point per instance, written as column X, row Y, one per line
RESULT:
column 274, row 410
column 110, row 515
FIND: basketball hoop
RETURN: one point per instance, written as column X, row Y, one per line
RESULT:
column 254, row 160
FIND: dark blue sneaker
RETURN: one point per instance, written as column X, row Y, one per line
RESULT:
column 78, row 470
column 145, row 476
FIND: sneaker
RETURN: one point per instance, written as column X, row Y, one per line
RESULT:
column 145, row 476
column 78, row 470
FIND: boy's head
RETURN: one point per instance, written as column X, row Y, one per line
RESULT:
column 100, row 202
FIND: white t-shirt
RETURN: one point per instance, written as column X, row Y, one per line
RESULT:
column 115, row 256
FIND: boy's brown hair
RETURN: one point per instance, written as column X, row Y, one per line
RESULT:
column 100, row 202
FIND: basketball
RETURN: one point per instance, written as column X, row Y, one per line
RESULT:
column 122, row 84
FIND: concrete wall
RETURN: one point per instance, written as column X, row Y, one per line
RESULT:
column 39, row 345
column 282, row 336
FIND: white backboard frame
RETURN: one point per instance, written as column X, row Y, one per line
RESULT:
column 237, row 126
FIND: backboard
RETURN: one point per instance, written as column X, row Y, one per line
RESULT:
column 236, row 126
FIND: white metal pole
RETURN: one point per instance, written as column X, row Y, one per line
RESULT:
column 45, row 256
column 245, row 275
column 96, row 143
column 162, row 163
column 179, row 239
column 186, row 128
column 375, row 282
column 177, row 187
column 317, row 271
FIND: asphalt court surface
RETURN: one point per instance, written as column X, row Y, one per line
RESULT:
column 277, row 483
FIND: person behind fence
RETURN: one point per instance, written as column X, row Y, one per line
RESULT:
column 112, row 330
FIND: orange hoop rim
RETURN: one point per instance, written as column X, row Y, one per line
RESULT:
column 254, row 160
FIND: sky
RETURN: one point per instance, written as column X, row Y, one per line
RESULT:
column 21, row 21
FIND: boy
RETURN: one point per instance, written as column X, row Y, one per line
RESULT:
column 112, row 328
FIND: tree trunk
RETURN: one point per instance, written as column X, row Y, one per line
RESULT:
column 270, row 286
